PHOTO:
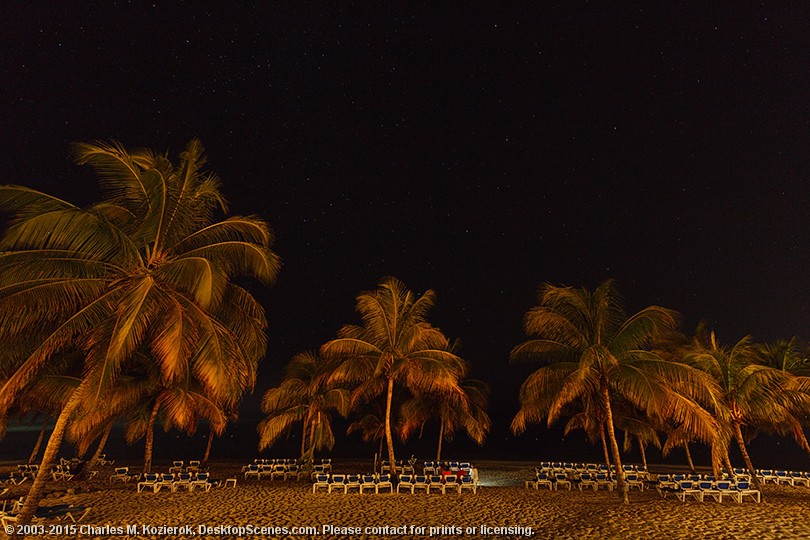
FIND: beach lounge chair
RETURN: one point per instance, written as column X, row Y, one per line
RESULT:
column 337, row 482
column 122, row 474
column 327, row 465
column 183, row 481
column 321, row 481
column 562, row 481
column 292, row 472
column 252, row 472
column 421, row 481
column 352, row 482
column 177, row 466
column 467, row 482
column 602, row 479
column 450, row 483
column 165, row 480
column 435, row 482
column 277, row 471
column 586, row 481
column 688, row 488
column 150, row 481
column 368, row 481
column 799, row 479
column 709, row 488
column 783, row 478
column 633, row 481
column 429, row 468
column 405, row 482
column 726, row 490
column 384, row 482
column 543, row 480
column 202, row 480
column 767, row 475
column 61, row 472
column 744, row 490
column 385, row 466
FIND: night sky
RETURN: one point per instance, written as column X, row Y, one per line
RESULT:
column 478, row 151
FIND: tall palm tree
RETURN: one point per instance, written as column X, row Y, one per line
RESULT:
column 464, row 409
column 394, row 346
column 147, row 268
column 592, row 348
column 747, row 393
column 305, row 395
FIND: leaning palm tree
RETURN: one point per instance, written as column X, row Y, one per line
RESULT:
column 394, row 346
column 464, row 409
column 147, row 268
column 592, row 349
column 305, row 395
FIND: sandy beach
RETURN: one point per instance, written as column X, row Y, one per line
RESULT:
column 502, row 508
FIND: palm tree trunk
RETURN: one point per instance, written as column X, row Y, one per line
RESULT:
column 441, row 436
column 150, row 439
column 304, row 438
column 744, row 451
column 311, row 449
column 689, row 457
column 208, row 448
column 621, row 485
column 643, row 451
column 389, row 439
column 603, row 438
column 727, row 461
column 35, row 451
column 96, row 454
column 37, row 490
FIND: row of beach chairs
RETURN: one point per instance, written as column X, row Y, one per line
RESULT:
column 275, row 472
column 175, row 481
column 736, row 490
column 438, row 482
column 784, row 477
column 573, row 469
column 582, row 481
column 344, row 483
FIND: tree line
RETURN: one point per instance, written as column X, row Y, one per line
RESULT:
column 135, row 310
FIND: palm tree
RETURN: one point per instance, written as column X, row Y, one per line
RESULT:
column 146, row 269
column 305, row 395
column 592, row 349
column 787, row 356
column 746, row 393
column 371, row 423
column 394, row 346
column 464, row 409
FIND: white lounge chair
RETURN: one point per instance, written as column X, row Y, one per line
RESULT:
column 321, row 481
column 150, row 481
column 203, row 481
column 467, row 482
column 337, row 482
column 405, row 482
column 435, row 482
column 744, row 490
column 687, row 488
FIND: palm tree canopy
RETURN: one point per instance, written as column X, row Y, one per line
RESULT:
column 307, row 395
column 586, row 341
column 146, row 269
column 395, row 341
